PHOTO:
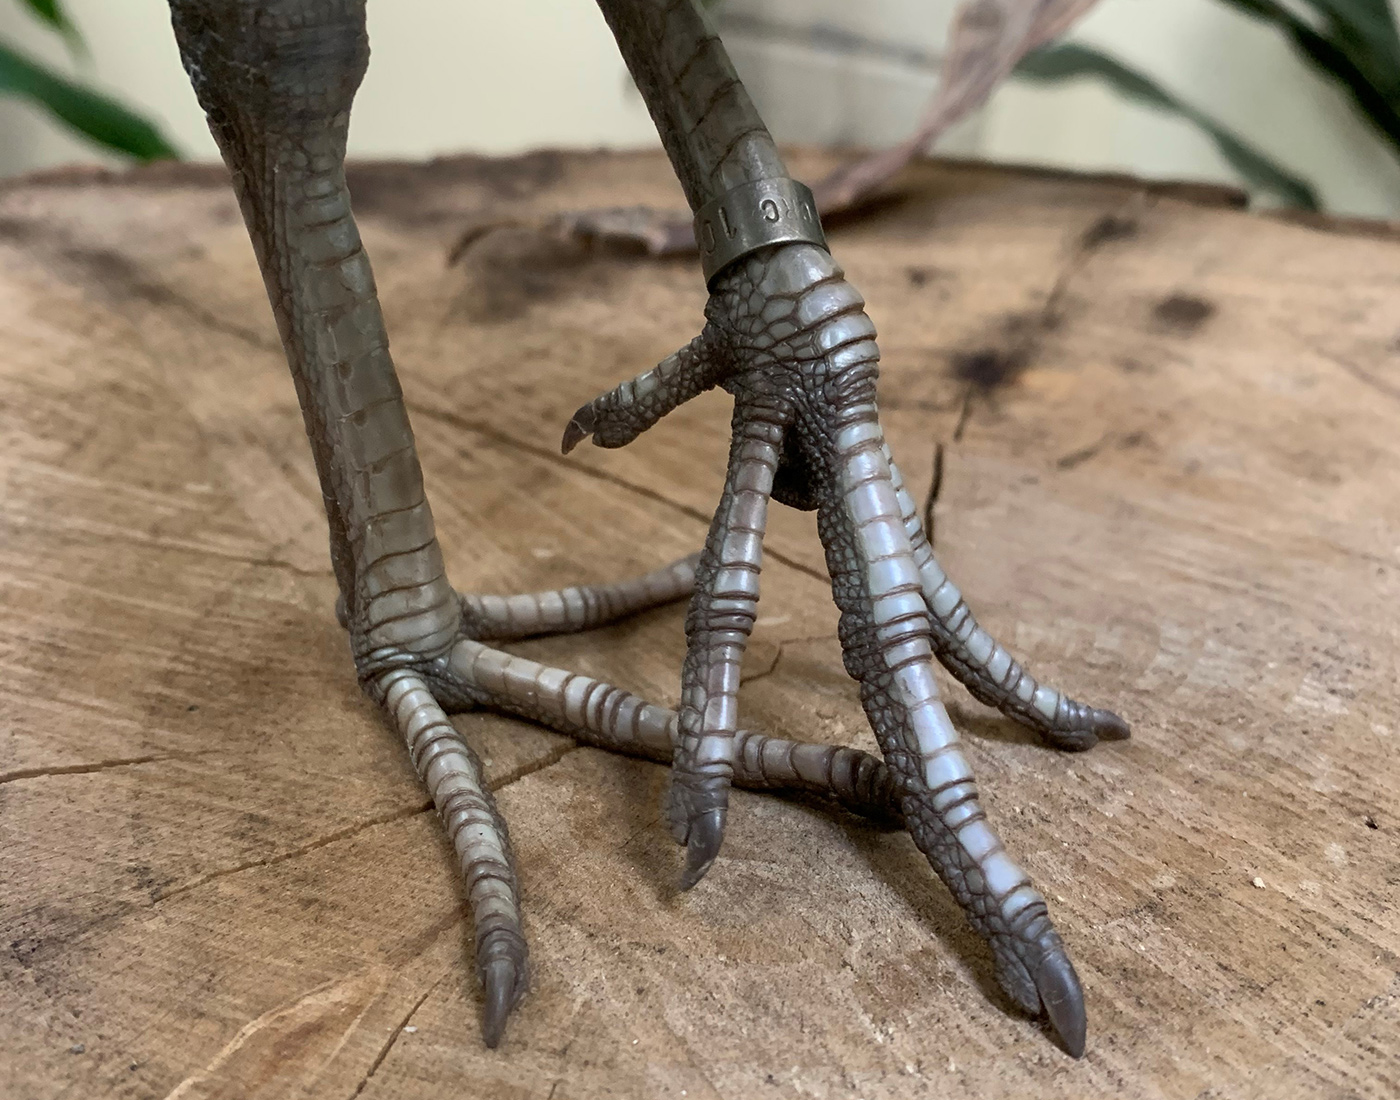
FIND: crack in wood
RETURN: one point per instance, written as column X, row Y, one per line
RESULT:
column 96, row 766
column 548, row 760
column 283, row 857
column 1360, row 373
column 1074, row 458
column 394, row 1035
column 526, row 770
column 935, row 489
column 988, row 368
column 545, row 454
column 782, row 649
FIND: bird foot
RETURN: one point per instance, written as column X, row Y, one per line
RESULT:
column 788, row 337
column 418, row 693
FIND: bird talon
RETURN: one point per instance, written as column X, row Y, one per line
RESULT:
column 579, row 428
column 499, row 981
column 702, row 844
column 1062, row 997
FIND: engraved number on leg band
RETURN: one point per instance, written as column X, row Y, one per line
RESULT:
column 752, row 216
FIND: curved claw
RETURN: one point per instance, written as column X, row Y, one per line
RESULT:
column 579, row 428
column 498, row 979
column 1062, row 997
column 617, row 417
column 1093, row 725
column 1107, row 726
column 702, row 843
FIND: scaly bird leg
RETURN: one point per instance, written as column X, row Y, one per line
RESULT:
column 789, row 338
column 722, row 614
column 472, row 674
column 582, row 607
column 276, row 79
column 608, row 717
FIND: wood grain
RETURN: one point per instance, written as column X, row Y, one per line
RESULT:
column 1171, row 443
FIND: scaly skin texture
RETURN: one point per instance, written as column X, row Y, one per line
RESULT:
column 713, row 135
column 788, row 337
column 276, row 80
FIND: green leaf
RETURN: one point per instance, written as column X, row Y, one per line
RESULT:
column 1364, row 32
column 51, row 13
column 1070, row 61
column 1366, row 67
column 1369, row 25
column 103, row 120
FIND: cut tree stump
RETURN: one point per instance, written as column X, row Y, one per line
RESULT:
column 1171, row 434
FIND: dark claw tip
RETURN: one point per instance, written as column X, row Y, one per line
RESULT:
column 498, row 977
column 702, row 846
column 1109, row 727
column 1062, row 999
column 579, row 428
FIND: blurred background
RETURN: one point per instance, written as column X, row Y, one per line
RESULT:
column 465, row 75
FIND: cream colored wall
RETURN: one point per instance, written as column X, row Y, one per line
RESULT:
column 1238, row 70
column 449, row 75
column 840, row 73
column 445, row 75
column 830, row 70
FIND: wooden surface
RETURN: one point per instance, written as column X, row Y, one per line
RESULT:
column 1174, row 491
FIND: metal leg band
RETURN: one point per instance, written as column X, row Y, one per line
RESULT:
column 755, row 215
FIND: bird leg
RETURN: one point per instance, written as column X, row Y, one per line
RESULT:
column 789, row 338
column 276, row 79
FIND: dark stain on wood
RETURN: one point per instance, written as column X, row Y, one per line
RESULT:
column 989, row 368
column 1109, row 228
column 1183, row 312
